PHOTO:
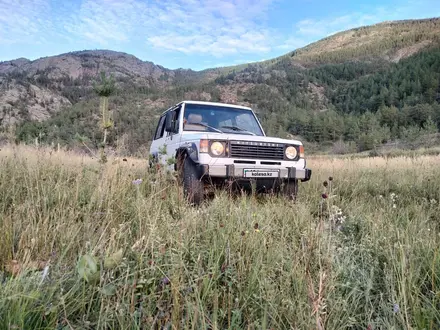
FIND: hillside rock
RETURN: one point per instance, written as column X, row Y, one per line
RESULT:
column 30, row 102
column 9, row 66
column 37, row 89
column 89, row 63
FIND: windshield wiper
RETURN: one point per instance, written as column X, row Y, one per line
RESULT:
column 207, row 126
column 236, row 128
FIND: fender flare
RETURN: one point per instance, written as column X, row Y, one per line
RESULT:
column 189, row 150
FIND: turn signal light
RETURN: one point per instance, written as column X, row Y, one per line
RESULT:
column 204, row 146
column 301, row 151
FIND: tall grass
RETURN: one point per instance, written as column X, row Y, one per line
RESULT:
column 367, row 256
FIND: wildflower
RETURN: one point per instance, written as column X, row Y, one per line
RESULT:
column 337, row 217
column 256, row 225
column 394, row 206
column 330, row 178
column 325, row 183
column 324, row 196
column 138, row 244
column 396, row 308
column 243, row 233
column 165, row 281
column 137, row 182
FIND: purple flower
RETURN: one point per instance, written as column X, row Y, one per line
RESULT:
column 165, row 281
column 137, row 182
column 396, row 308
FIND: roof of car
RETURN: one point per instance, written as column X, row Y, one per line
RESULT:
column 211, row 103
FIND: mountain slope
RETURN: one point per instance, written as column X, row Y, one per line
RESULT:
column 63, row 80
column 86, row 63
column 390, row 41
column 322, row 92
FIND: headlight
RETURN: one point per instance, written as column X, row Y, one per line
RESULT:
column 217, row 148
column 291, row 152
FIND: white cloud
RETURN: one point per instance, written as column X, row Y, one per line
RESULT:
column 212, row 27
column 292, row 43
column 24, row 21
column 106, row 21
column 311, row 28
column 198, row 28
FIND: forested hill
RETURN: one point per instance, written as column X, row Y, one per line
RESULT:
column 354, row 90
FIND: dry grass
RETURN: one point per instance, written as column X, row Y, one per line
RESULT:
column 127, row 256
column 326, row 163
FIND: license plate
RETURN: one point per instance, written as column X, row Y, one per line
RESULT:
column 252, row 173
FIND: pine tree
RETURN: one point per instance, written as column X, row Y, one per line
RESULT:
column 104, row 88
column 429, row 127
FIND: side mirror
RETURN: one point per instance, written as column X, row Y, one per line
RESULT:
column 169, row 122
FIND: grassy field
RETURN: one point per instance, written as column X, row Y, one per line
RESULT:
column 85, row 246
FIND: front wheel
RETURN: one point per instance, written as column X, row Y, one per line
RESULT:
column 290, row 189
column 193, row 188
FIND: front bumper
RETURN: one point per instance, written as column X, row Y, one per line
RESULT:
column 233, row 171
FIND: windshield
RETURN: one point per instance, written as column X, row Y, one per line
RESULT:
column 213, row 118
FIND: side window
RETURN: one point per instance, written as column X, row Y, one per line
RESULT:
column 160, row 128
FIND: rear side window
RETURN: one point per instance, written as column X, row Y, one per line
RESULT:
column 160, row 128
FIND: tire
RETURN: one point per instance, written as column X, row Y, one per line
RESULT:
column 290, row 189
column 193, row 188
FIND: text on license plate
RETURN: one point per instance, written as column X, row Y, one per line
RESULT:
column 252, row 173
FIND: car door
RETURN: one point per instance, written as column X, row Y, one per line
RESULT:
column 158, row 141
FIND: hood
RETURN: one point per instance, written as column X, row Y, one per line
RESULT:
column 242, row 137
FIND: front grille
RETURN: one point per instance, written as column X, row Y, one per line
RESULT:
column 259, row 150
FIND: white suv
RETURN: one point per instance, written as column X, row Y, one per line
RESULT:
column 223, row 145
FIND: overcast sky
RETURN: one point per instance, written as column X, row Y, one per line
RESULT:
column 194, row 34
